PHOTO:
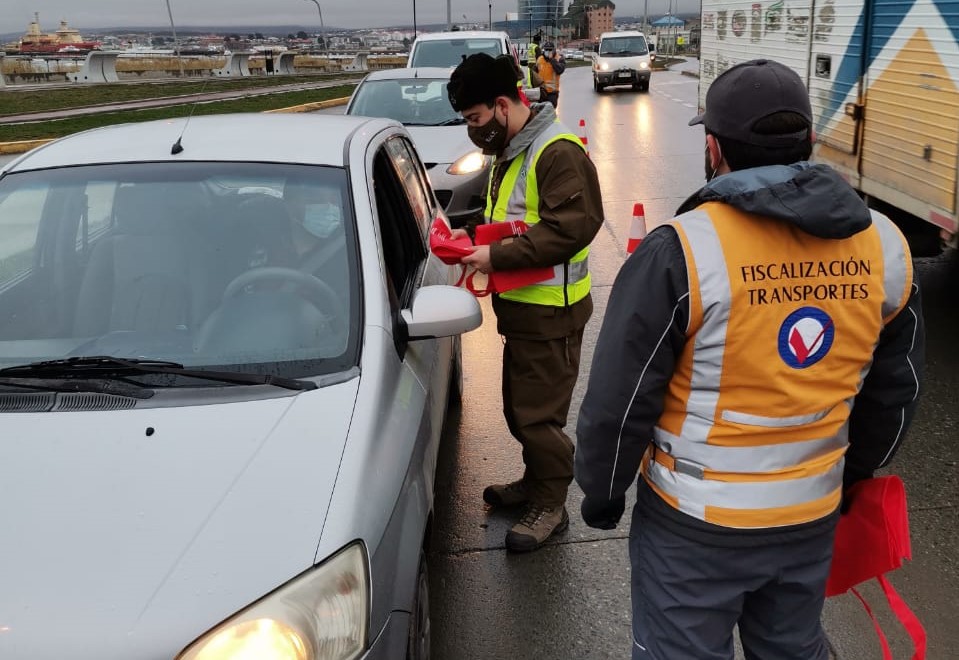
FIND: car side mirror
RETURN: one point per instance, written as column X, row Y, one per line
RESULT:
column 441, row 311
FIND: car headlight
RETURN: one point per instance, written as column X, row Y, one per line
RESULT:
column 643, row 65
column 474, row 161
column 604, row 66
column 321, row 614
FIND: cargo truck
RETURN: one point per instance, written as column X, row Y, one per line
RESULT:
column 883, row 78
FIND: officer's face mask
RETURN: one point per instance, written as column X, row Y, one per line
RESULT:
column 709, row 169
column 491, row 136
column 321, row 220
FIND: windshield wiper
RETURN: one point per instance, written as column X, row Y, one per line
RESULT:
column 455, row 121
column 105, row 366
column 96, row 385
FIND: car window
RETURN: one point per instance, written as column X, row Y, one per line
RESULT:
column 449, row 53
column 411, row 101
column 247, row 266
column 623, row 46
column 413, row 179
column 20, row 212
column 403, row 244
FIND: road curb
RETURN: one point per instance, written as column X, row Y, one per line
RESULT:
column 316, row 105
column 23, row 146
column 691, row 74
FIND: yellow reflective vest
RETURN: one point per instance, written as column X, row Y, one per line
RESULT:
column 755, row 423
column 571, row 280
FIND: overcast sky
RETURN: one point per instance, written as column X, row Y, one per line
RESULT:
column 16, row 14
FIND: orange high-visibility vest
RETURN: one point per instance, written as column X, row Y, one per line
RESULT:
column 755, row 422
column 548, row 75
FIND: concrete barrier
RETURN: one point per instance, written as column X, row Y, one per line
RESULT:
column 284, row 65
column 98, row 67
column 237, row 65
column 361, row 62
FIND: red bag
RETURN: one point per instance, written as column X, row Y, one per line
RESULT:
column 505, row 280
column 872, row 539
column 448, row 250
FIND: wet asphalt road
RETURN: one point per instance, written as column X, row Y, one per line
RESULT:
column 571, row 598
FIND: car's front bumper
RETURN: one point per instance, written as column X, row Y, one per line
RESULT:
column 462, row 196
column 622, row 76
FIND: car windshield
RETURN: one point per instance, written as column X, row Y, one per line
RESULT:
column 450, row 53
column 229, row 266
column 412, row 101
column 623, row 47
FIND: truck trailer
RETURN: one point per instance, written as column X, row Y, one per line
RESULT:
column 883, row 79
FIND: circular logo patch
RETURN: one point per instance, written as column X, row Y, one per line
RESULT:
column 805, row 337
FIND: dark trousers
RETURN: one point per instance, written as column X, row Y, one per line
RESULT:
column 687, row 596
column 538, row 380
column 551, row 97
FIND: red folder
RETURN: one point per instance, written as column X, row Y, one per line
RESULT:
column 505, row 280
column 872, row 539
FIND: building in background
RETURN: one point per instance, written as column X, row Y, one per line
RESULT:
column 599, row 19
column 541, row 15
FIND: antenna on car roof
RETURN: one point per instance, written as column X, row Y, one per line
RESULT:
column 178, row 146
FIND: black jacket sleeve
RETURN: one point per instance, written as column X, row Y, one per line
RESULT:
column 887, row 401
column 643, row 334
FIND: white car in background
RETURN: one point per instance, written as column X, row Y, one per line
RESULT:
column 417, row 98
column 225, row 359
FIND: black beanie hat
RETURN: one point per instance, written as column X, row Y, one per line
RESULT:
column 480, row 78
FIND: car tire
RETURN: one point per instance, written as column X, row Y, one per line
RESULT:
column 597, row 87
column 644, row 86
column 418, row 644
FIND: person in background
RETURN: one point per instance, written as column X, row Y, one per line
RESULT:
column 760, row 354
column 533, row 51
column 541, row 175
column 551, row 66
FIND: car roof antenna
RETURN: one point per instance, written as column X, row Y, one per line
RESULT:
column 178, row 146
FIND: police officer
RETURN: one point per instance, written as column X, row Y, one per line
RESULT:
column 760, row 353
column 541, row 175
column 532, row 51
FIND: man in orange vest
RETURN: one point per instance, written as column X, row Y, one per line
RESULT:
column 550, row 66
column 760, row 353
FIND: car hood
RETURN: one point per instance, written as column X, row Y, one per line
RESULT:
column 130, row 533
column 441, row 144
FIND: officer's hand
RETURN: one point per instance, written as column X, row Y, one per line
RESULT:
column 602, row 514
column 849, row 479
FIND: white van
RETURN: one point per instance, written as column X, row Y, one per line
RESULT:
column 447, row 49
column 622, row 59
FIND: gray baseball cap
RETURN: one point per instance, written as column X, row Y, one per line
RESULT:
column 748, row 92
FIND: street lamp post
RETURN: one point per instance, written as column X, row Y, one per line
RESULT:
column 326, row 44
column 414, row 20
column 491, row 15
column 176, row 43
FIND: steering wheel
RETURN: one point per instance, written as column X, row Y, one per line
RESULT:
column 315, row 290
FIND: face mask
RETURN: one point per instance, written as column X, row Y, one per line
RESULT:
column 710, row 172
column 490, row 137
column 321, row 220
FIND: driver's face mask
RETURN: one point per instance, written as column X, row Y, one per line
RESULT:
column 322, row 220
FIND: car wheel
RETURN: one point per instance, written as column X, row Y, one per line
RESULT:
column 645, row 86
column 418, row 647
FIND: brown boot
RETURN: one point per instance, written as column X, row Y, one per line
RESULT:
column 537, row 524
column 512, row 494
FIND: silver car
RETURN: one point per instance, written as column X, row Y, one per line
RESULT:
column 417, row 98
column 226, row 358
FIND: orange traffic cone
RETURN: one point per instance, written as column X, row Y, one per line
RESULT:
column 637, row 229
column 582, row 134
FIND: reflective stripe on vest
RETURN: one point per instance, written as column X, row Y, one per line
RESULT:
column 571, row 281
column 732, row 453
